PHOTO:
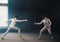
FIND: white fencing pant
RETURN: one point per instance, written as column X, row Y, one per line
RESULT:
column 45, row 28
column 9, row 30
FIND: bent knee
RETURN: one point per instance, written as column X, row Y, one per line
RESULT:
column 41, row 30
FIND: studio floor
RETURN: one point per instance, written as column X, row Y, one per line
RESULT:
column 28, row 37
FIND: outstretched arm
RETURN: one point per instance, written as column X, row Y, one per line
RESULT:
column 22, row 20
column 38, row 23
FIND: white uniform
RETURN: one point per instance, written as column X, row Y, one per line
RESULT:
column 47, row 26
column 12, row 25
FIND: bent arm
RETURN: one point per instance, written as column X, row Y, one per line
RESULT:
column 49, row 22
column 8, row 20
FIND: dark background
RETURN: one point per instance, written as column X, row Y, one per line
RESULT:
column 33, row 10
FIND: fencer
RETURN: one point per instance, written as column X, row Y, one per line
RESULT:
column 47, row 26
column 12, row 25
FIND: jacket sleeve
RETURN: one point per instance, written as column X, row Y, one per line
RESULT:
column 39, row 23
column 8, row 20
column 21, row 20
column 49, row 22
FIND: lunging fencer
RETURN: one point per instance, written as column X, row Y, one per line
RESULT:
column 47, row 26
column 12, row 25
